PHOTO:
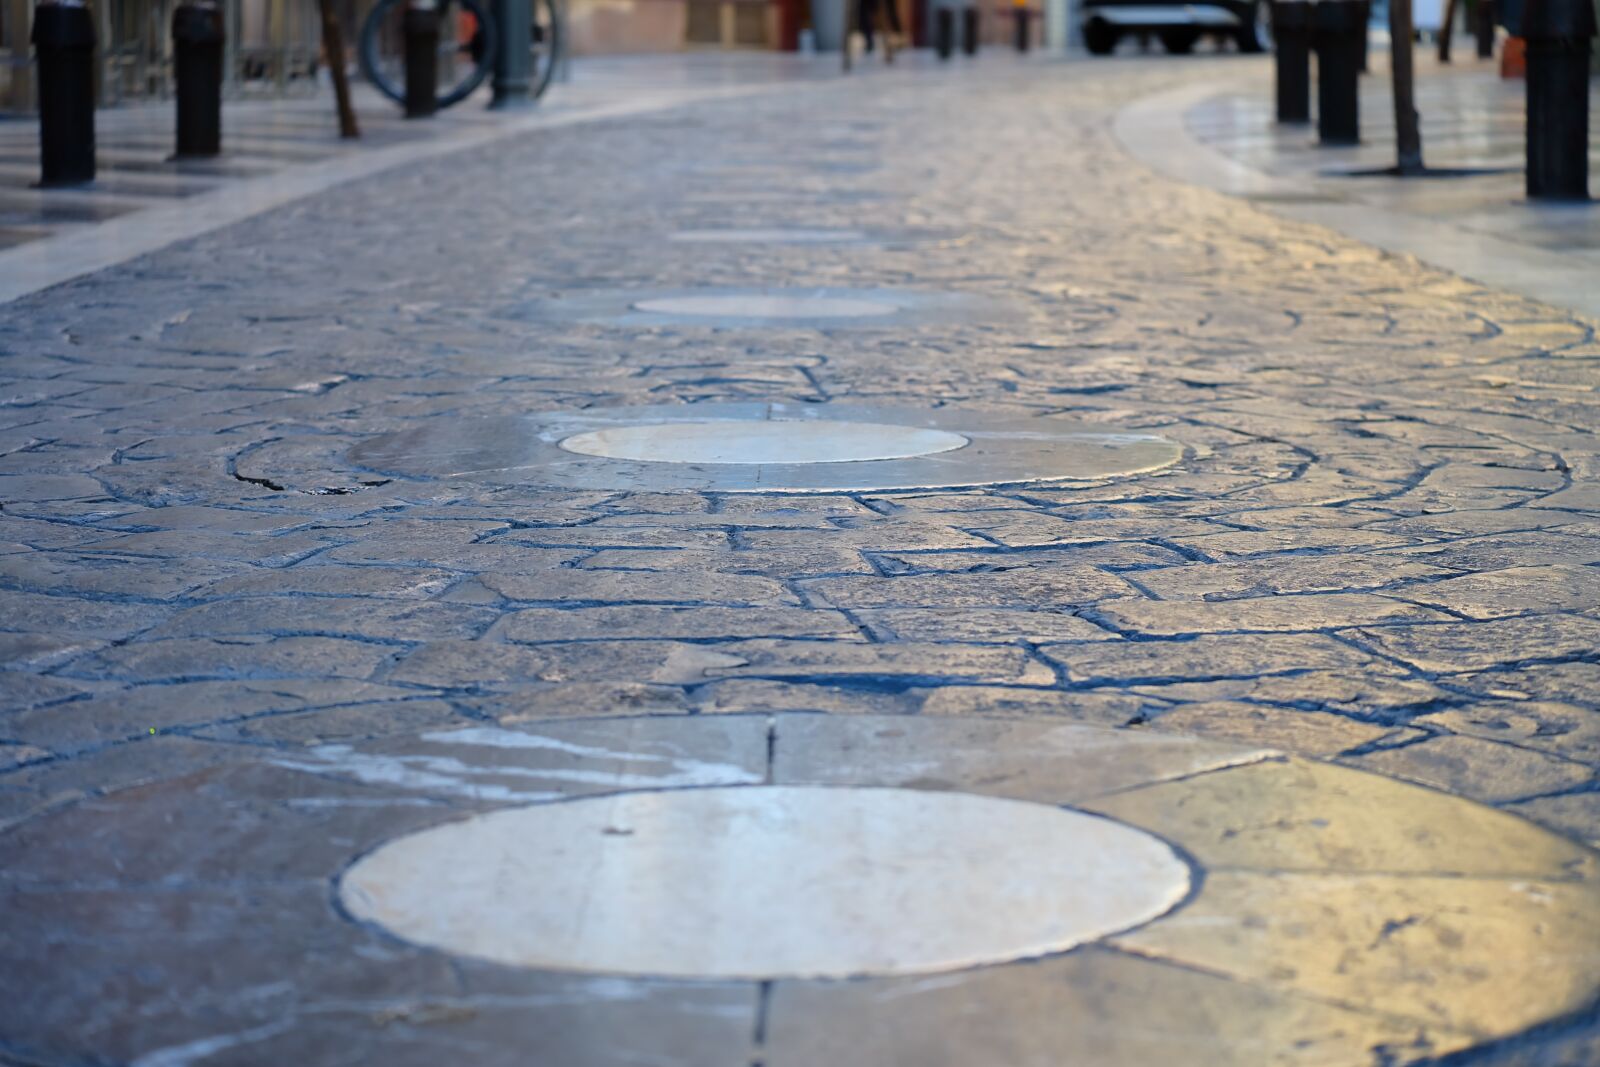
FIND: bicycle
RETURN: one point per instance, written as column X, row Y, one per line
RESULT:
column 468, row 40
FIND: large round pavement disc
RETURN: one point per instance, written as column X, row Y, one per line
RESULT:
column 790, row 888
column 786, row 308
column 774, row 235
column 764, row 447
column 809, row 882
column 767, row 306
column 763, row 442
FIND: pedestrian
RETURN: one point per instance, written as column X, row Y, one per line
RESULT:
column 869, row 16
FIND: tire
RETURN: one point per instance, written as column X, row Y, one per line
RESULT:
column 378, row 56
column 1179, row 42
column 546, row 46
column 1256, row 31
column 1100, row 37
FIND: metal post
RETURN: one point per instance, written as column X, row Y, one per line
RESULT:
column 1022, row 26
column 112, row 65
column 563, row 56
column 969, row 30
column 944, row 31
column 1057, row 24
column 420, row 28
column 513, row 61
column 333, row 48
column 278, row 43
column 1485, row 29
column 1407, row 125
column 1337, row 31
column 1291, row 34
column 1558, row 33
column 233, row 16
column 63, row 41
column 197, row 39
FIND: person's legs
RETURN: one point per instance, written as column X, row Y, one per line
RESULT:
column 891, row 10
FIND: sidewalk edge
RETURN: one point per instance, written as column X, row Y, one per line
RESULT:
column 40, row 265
column 1154, row 132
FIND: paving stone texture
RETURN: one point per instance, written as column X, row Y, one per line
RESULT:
column 1382, row 547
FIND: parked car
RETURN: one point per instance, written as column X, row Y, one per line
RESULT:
column 1178, row 26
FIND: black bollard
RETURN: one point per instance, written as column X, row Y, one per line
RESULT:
column 1291, row 34
column 1022, row 27
column 1337, row 30
column 63, row 42
column 421, row 29
column 1558, row 33
column 944, row 31
column 969, row 30
column 1485, row 29
column 197, row 69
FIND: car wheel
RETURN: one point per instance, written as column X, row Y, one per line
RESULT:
column 1179, row 42
column 1100, row 37
column 1256, row 32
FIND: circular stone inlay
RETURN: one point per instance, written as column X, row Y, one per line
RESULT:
column 773, row 306
column 765, row 882
column 769, row 236
column 764, row 447
column 774, row 441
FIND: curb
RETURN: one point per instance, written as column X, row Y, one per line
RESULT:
column 40, row 265
column 1153, row 130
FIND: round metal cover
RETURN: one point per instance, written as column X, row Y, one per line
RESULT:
column 811, row 882
column 774, row 235
column 763, row 441
column 818, row 448
column 769, row 307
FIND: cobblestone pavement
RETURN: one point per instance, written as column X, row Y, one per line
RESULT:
column 1382, row 547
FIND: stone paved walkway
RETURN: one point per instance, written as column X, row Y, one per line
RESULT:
column 1382, row 547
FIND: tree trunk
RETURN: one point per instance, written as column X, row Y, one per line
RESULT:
column 333, row 49
column 1407, row 134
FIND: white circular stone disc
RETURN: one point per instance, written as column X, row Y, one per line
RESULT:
column 781, row 448
column 769, row 236
column 767, row 882
column 768, row 306
column 774, row 441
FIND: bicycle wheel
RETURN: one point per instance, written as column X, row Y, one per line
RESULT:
column 466, row 49
column 1256, row 33
column 546, row 46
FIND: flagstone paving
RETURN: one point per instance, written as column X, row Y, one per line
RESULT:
column 1381, row 547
